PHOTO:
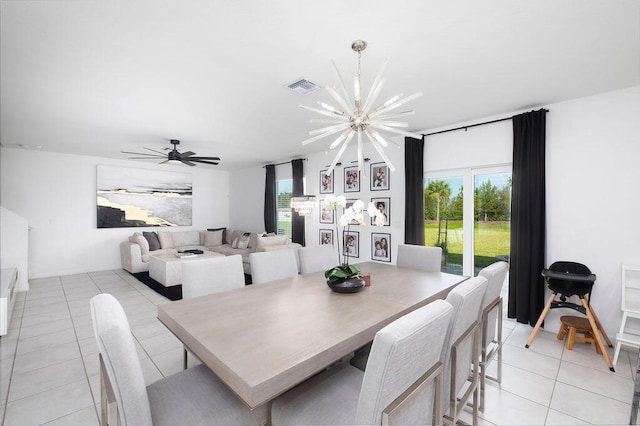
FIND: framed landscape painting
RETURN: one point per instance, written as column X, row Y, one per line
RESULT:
column 326, row 237
column 351, row 179
column 381, row 247
column 128, row 197
column 326, row 182
column 379, row 177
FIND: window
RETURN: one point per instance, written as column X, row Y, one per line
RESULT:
column 283, row 206
column 472, row 227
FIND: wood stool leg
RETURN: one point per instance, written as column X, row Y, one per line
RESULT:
column 596, row 334
column 562, row 332
column 539, row 323
column 572, row 338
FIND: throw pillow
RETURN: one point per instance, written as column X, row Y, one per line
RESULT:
column 142, row 242
column 242, row 242
column 185, row 238
column 152, row 239
column 166, row 240
column 213, row 238
column 277, row 240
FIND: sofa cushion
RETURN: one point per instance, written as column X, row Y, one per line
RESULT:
column 166, row 240
column 227, row 250
column 142, row 242
column 276, row 240
column 228, row 236
column 186, row 238
column 152, row 239
column 212, row 238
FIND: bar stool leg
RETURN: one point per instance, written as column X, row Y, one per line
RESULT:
column 539, row 323
column 596, row 333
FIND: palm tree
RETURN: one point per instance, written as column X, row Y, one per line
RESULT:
column 440, row 191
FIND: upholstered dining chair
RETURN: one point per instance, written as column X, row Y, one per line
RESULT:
column 273, row 265
column 193, row 396
column 210, row 275
column 318, row 258
column 419, row 257
column 461, row 350
column 491, row 324
column 401, row 384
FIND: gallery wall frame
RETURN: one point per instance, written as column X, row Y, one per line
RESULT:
column 326, row 214
column 381, row 246
column 326, row 182
column 379, row 177
column 351, row 179
column 384, row 205
column 130, row 197
column 326, row 237
column 351, row 243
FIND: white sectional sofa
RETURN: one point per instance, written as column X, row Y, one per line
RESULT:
column 136, row 252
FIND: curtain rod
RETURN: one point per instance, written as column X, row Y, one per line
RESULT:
column 284, row 162
column 474, row 125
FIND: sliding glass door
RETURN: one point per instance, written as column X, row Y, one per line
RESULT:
column 471, row 226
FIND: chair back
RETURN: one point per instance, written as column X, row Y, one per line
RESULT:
column 211, row 275
column 318, row 258
column 121, row 362
column 570, row 287
column 419, row 257
column 273, row 265
column 631, row 290
column 401, row 354
column 495, row 275
column 466, row 300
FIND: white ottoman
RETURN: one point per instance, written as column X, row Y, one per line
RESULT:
column 167, row 268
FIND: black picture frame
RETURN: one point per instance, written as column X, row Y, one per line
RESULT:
column 326, row 182
column 325, row 237
column 379, row 177
column 387, row 209
column 381, row 247
column 347, row 205
column 351, row 179
column 351, row 243
column 325, row 214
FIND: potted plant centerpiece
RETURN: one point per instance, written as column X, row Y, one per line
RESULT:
column 346, row 278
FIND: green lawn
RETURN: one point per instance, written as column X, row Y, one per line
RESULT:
column 491, row 240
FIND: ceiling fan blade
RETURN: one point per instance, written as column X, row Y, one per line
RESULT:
column 143, row 158
column 144, row 153
column 188, row 162
column 205, row 161
column 205, row 158
column 163, row 162
column 153, row 150
column 187, row 154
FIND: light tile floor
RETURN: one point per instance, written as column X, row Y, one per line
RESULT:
column 49, row 362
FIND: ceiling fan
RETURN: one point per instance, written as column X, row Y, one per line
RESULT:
column 174, row 156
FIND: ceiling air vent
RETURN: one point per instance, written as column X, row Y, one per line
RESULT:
column 302, row 86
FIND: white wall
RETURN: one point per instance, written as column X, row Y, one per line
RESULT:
column 14, row 246
column 246, row 207
column 56, row 193
column 593, row 192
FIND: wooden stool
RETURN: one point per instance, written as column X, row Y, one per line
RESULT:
column 574, row 325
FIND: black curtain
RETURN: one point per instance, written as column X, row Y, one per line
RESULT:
column 526, row 285
column 414, row 195
column 270, row 222
column 297, row 224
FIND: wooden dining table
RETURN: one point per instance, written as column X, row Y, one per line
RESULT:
column 264, row 339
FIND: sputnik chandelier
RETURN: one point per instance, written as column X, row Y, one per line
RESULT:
column 354, row 117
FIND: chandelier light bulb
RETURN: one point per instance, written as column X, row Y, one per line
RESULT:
column 350, row 121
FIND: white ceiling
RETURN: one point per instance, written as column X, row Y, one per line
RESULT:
column 95, row 77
